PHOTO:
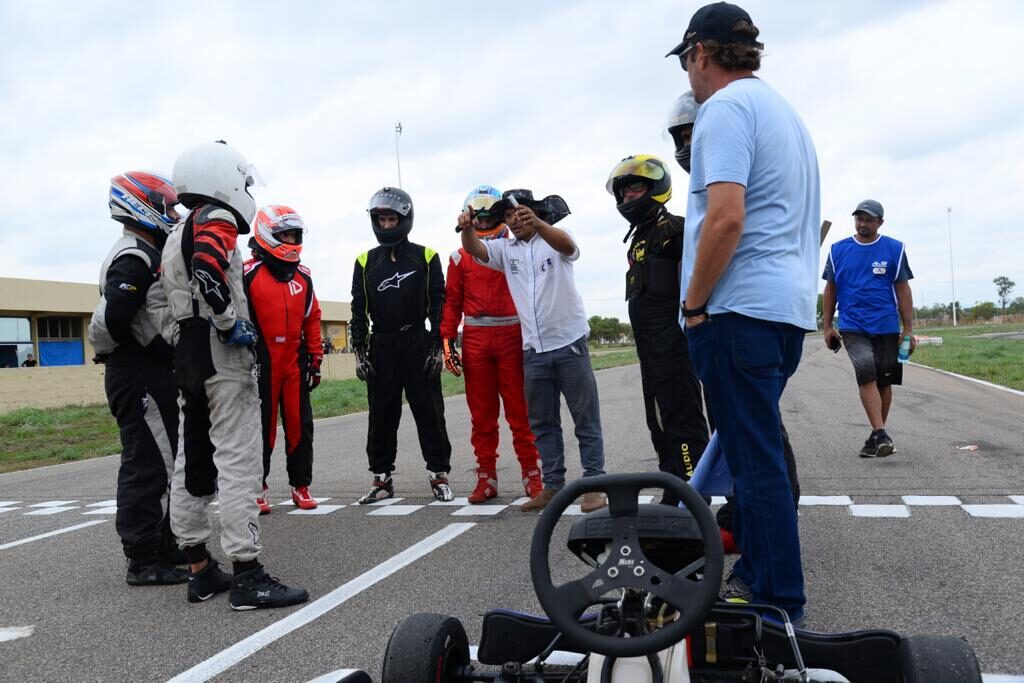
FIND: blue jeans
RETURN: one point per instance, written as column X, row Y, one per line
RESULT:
column 745, row 363
column 566, row 372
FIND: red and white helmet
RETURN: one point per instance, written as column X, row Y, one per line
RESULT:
column 273, row 220
column 144, row 200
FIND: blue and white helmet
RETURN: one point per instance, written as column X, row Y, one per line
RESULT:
column 143, row 199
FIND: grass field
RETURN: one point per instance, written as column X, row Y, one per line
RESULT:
column 35, row 437
column 1000, row 361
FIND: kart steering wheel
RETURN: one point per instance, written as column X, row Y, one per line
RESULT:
column 625, row 565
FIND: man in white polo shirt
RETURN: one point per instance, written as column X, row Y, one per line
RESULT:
column 537, row 263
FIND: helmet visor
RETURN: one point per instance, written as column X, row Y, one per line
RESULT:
column 638, row 168
column 386, row 200
column 480, row 203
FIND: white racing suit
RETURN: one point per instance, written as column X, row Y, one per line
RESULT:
column 220, row 446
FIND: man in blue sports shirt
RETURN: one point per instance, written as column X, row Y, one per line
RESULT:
column 750, row 266
column 869, row 277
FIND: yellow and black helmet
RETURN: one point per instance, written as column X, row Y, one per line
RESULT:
column 652, row 172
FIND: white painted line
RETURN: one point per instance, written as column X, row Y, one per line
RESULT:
column 879, row 511
column 101, row 511
column 292, row 502
column 40, row 537
column 382, row 503
column 1019, row 500
column 51, row 511
column 396, row 510
column 103, row 504
column 718, row 500
column 335, row 676
column 52, row 503
column 1001, row 678
column 318, row 510
column 458, row 502
column 573, row 510
column 644, row 500
column 521, row 501
column 825, row 500
column 224, row 660
column 970, row 379
column 931, row 500
column 7, row 503
column 1007, row 511
column 481, row 510
column 15, row 632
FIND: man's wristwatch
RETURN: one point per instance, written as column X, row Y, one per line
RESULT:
column 693, row 312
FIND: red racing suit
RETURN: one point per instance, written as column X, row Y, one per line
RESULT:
column 492, row 358
column 286, row 313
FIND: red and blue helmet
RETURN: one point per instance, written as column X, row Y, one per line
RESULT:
column 146, row 200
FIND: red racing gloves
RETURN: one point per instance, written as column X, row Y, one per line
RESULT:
column 452, row 359
column 313, row 371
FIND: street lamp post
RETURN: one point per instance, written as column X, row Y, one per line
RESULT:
column 398, row 160
column 952, row 280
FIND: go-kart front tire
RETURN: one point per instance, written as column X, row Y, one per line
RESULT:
column 426, row 648
column 938, row 659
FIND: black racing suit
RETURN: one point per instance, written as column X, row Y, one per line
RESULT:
column 672, row 395
column 141, row 393
column 394, row 289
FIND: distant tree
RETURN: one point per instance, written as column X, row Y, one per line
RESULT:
column 1004, row 286
column 982, row 310
column 1016, row 306
column 608, row 330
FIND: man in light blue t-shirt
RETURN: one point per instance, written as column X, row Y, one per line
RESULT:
column 750, row 263
column 869, row 277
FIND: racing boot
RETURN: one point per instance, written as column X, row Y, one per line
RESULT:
column 381, row 489
column 207, row 582
column 302, row 499
column 532, row 483
column 255, row 589
column 486, row 486
column 728, row 542
column 440, row 488
column 263, row 502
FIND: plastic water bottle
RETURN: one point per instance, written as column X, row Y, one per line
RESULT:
column 904, row 354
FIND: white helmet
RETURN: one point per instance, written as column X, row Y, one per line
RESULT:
column 218, row 172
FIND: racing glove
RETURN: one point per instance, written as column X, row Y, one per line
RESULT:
column 242, row 334
column 313, row 371
column 435, row 360
column 363, row 368
column 452, row 359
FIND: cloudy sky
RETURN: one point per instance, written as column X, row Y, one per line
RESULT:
column 916, row 104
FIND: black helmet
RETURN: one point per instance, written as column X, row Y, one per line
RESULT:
column 649, row 170
column 551, row 209
column 681, row 118
column 395, row 200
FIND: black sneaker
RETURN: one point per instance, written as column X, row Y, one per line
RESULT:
column 381, row 489
column 154, row 573
column 255, row 589
column 735, row 590
column 870, row 449
column 207, row 582
column 884, row 444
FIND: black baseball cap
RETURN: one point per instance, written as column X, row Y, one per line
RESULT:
column 716, row 22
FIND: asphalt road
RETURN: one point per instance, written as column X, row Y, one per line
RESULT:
column 67, row 615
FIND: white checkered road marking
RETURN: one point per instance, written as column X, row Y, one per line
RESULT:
column 1013, row 510
column 879, row 511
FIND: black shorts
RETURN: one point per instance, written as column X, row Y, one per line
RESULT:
column 874, row 357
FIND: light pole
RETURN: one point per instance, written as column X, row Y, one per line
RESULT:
column 952, row 280
column 398, row 160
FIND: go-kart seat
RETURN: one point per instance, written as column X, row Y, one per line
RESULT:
column 510, row 636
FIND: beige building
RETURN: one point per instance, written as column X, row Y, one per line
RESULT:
column 50, row 321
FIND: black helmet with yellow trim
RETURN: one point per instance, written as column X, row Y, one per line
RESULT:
column 653, row 174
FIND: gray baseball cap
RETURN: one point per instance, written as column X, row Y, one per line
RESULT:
column 870, row 207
